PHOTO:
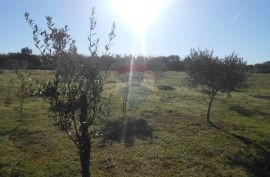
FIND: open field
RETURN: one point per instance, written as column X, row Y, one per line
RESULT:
column 182, row 143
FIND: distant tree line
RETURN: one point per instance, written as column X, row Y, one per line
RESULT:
column 28, row 60
column 171, row 63
column 262, row 67
column 15, row 60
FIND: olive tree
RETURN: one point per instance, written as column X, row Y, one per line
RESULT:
column 214, row 74
column 158, row 69
column 75, row 92
column 24, row 87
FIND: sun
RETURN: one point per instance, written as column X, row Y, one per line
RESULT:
column 140, row 14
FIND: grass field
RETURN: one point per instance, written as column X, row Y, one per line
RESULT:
column 182, row 144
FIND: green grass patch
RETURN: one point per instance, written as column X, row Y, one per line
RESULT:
column 181, row 143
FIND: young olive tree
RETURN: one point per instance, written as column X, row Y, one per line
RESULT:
column 214, row 74
column 24, row 87
column 9, row 91
column 75, row 92
column 158, row 69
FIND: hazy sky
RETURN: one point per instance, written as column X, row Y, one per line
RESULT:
column 222, row 25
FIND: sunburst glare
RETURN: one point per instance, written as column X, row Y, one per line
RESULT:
column 140, row 14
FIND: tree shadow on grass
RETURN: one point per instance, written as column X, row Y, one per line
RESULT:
column 255, row 157
column 11, row 131
column 126, row 131
column 166, row 87
column 262, row 97
column 247, row 112
column 241, row 110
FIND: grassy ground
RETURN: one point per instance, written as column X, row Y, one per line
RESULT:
column 183, row 144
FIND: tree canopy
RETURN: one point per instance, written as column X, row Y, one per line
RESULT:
column 215, row 74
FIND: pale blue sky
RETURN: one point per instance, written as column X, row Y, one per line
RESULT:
column 222, row 25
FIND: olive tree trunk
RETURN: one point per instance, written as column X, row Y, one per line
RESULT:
column 21, row 107
column 212, row 96
column 85, row 139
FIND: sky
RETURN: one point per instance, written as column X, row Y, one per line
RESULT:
column 173, row 28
